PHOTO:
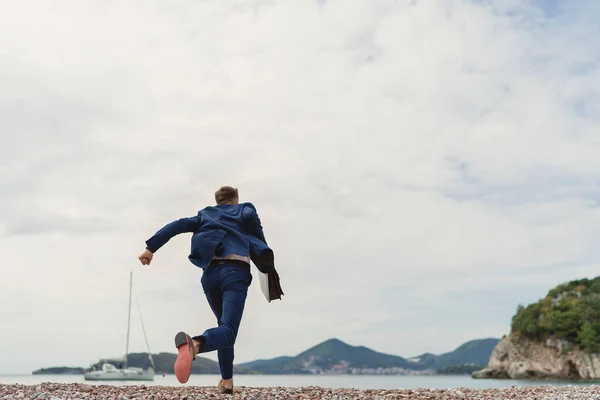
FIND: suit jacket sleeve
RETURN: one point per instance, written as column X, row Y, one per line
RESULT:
column 252, row 222
column 174, row 228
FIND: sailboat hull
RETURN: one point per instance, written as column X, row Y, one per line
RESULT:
column 129, row 374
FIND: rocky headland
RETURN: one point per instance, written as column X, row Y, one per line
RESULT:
column 521, row 358
column 556, row 338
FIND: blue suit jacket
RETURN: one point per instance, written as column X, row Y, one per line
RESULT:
column 220, row 231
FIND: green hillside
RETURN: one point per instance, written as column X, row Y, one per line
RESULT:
column 336, row 356
column 332, row 354
column 273, row 364
column 466, row 358
column 476, row 352
column 333, row 351
column 570, row 311
column 472, row 352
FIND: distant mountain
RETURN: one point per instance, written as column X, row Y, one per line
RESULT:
column 476, row 352
column 335, row 356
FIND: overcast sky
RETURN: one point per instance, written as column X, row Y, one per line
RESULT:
column 421, row 168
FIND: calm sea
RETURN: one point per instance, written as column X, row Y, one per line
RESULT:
column 328, row 381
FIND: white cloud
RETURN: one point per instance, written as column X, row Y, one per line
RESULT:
column 410, row 161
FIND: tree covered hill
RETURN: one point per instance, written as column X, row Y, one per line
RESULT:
column 570, row 311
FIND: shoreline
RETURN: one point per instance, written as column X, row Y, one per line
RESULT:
column 60, row 391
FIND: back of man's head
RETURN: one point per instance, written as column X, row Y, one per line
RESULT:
column 227, row 195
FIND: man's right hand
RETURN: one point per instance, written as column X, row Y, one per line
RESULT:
column 146, row 257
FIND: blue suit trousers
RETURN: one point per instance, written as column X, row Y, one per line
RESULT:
column 226, row 289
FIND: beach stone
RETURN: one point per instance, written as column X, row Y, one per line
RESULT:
column 76, row 392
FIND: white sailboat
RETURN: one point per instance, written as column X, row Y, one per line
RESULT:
column 116, row 369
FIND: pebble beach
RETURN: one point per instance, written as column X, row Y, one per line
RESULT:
column 57, row 391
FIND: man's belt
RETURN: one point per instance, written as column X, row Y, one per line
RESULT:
column 229, row 262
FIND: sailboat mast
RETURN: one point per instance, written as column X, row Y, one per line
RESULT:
column 137, row 303
column 128, row 317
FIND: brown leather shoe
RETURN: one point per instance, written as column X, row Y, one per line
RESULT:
column 186, row 354
column 223, row 389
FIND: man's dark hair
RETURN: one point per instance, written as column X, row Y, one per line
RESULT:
column 226, row 194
